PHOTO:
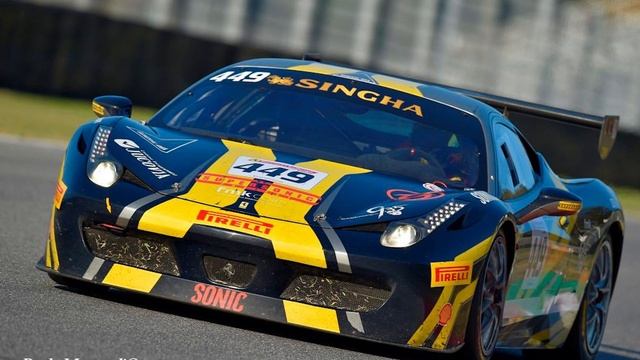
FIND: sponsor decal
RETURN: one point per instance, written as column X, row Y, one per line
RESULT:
column 380, row 211
column 217, row 297
column 569, row 205
column 445, row 314
column 316, row 85
column 275, row 171
column 483, row 196
column 61, row 188
column 359, row 76
column 164, row 145
column 237, row 221
column 450, row 273
column 147, row 161
column 408, row 195
column 432, row 187
column 240, row 186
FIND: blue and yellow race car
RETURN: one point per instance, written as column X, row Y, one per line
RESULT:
column 344, row 201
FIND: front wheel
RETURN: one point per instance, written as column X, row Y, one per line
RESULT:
column 488, row 303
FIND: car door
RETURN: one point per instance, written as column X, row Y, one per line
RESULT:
column 536, row 275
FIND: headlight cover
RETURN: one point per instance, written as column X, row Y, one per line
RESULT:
column 102, row 170
column 406, row 233
column 400, row 235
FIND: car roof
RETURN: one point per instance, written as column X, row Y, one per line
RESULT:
column 426, row 91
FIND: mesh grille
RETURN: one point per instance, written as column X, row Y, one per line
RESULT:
column 335, row 293
column 228, row 272
column 141, row 252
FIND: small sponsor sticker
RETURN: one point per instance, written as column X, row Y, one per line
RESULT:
column 145, row 159
column 408, row 195
column 483, row 196
column 449, row 273
column 569, row 205
column 61, row 188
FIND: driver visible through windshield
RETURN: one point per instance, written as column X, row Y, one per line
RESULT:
column 335, row 118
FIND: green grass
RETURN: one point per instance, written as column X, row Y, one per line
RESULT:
column 56, row 118
column 49, row 117
column 630, row 199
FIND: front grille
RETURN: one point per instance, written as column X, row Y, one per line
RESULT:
column 138, row 251
column 229, row 272
column 331, row 292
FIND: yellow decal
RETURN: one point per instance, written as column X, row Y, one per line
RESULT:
column 311, row 316
column 51, row 243
column 61, row 188
column 451, row 273
column 108, row 203
column 97, row 109
column 131, row 278
column 569, row 205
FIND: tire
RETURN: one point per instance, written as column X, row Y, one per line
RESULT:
column 482, row 336
column 586, row 336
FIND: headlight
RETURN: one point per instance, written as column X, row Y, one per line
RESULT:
column 403, row 234
column 399, row 235
column 102, row 170
column 105, row 173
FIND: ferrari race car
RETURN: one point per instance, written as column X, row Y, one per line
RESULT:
column 344, row 201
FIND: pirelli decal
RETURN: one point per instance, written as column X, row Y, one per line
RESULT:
column 451, row 273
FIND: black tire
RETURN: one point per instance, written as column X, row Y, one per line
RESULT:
column 582, row 343
column 481, row 336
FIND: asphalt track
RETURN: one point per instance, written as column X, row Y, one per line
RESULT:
column 40, row 320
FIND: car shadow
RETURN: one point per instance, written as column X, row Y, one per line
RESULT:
column 282, row 330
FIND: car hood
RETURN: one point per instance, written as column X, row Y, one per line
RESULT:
column 259, row 181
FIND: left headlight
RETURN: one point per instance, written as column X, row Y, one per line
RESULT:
column 102, row 170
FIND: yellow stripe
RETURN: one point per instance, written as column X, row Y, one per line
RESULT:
column 47, row 254
column 52, row 241
column 404, row 86
column 324, row 69
column 292, row 241
column 311, row 316
column 131, row 278
column 428, row 325
column 462, row 297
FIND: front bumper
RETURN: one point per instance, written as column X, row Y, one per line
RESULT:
column 412, row 313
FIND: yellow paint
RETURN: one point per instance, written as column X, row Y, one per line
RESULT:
column 52, row 241
column 404, row 86
column 324, row 69
column 108, row 203
column 476, row 253
column 131, row 278
column 311, row 316
column 292, row 241
column 47, row 254
column 97, row 108
column 295, row 211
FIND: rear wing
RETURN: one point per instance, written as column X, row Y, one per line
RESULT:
column 522, row 110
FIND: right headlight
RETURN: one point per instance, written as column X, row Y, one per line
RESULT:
column 102, row 170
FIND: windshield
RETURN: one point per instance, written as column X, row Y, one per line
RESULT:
column 335, row 118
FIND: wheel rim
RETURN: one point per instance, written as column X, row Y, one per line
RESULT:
column 493, row 291
column 598, row 295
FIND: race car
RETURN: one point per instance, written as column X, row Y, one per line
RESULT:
column 345, row 201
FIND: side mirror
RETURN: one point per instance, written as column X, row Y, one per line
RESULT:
column 111, row 105
column 551, row 201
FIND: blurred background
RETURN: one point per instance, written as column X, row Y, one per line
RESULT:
column 582, row 55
